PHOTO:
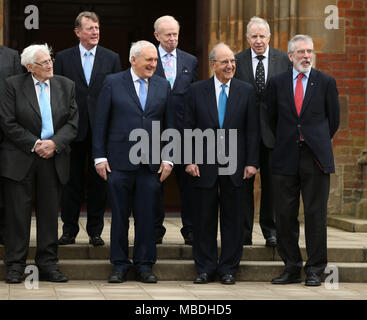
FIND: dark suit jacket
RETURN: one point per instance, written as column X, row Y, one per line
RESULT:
column 186, row 74
column 201, row 112
column 119, row 112
column 278, row 62
column 20, row 120
column 68, row 63
column 318, row 121
column 9, row 65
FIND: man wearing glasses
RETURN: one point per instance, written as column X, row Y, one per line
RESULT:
column 39, row 119
column 225, row 103
column 256, row 66
column 304, row 108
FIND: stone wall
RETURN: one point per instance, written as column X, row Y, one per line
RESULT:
column 1, row 21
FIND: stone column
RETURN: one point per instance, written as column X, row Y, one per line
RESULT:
column 1, row 21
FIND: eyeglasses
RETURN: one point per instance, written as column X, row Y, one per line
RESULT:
column 45, row 63
column 302, row 52
column 225, row 62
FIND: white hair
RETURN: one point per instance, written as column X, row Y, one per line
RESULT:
column 164, row 19
column 213, row 52
column 136, row 48
column 29, row 53
column 298, row 37
column 257, row 20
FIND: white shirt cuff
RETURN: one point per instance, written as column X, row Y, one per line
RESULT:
column 99, row 160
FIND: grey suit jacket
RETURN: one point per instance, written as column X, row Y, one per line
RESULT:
column 9, row 65
column 21, row 123
column 278, row 63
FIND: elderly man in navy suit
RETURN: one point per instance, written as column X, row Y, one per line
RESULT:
column 133, row 99
column 180, row 69
column 87, row 64
column 304, row 106
column 221, row 105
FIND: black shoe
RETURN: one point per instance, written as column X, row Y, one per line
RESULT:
column 66, row 239
column 117, row 277
column 146, row 277
column 96, row 241
column 271, row 242
column 203, row 278
column 53, row 276
column 158, row 240
column 228, row 279
column 14, row 276
column 247, row 242
column 286, row 278
column 313, row 280
column 189, row 239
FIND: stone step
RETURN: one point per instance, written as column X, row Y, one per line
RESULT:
column 347, row 223
column 184, row 270
column 184, row 252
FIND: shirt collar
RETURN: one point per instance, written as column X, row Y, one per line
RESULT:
column 35, row 81
column 83, row 50
column 296, row 73
column 265, row 54
column 218, row 84
column 135, row 77
column 163, row 52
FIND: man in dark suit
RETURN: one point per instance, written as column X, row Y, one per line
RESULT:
column 132, row 101
column 9, row 65
column 256, row 66
column 39, row 119
column 221, row 102
column 304, row 106
column 180, row 69
column 87, row 65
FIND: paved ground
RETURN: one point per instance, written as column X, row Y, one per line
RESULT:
column 168, row 290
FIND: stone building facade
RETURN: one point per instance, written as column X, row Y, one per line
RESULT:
column 340, row 52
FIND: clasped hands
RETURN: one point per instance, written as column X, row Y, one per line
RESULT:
column 45, row 148
column 193, row 170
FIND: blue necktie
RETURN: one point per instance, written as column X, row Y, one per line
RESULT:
column 142, row 93
column 222, row 103
column 169, row 69
column 45, row 108
column 87, row 67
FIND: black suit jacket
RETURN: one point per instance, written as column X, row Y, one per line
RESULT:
column 201, row 112
column 119, row 112
column 68, row 63
column 318, row 121
column 186, row 74
column 278, row 62
column 21, row 122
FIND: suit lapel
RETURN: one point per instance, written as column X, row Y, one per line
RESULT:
column 212, row 101
column 289, row 86
column 160, row 71
column 56, row 96
column 271, row 64
column 231, row 103
column 152, row 89
column 248, row 67
column 311, row 85
column 1, row 56
column 77, row 61
column 179, row 67
column 128, row 80
column 98, row 61
column 30, row 93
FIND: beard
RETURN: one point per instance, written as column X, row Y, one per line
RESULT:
column 298, row 65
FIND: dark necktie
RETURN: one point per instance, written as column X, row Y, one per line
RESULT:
column 260, row 75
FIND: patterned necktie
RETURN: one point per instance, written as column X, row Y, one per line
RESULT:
column 142, row 93
column 87, row 66
column 222, row 104
column 260, row 74
column 169, row 70
column 298, row 95
column 46, row 114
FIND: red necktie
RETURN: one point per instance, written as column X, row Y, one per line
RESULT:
column 298, row 96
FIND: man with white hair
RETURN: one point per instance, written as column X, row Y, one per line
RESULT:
column 256, row 66
column 39, row 118
column 180, row 69
column 131, row 100
column 304, row 108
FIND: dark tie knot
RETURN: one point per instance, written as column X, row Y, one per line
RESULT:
column 260, row 57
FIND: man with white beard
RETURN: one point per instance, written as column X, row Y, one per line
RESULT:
column 304, row 108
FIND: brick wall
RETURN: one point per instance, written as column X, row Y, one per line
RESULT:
column 349, row 70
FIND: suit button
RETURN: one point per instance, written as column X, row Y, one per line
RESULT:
column 298, row 126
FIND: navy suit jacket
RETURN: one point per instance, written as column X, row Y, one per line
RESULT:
column 119, row 112
column 186, row 74
column 278, row 63
column 68, row 63
column 201, row 112
column 318, row 121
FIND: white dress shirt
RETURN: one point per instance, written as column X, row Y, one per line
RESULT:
column 218, row 88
